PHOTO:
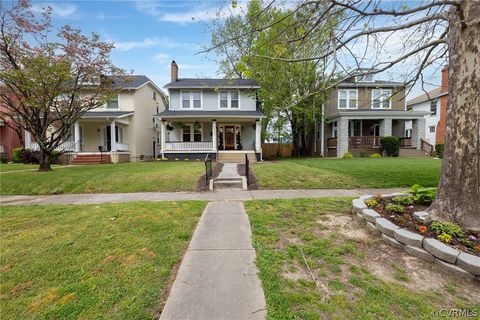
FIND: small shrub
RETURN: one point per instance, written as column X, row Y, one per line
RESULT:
column 391, row 145
column 371, row 203
column 439, row 150
column 347, row 155
column 452, row 229
column 404, row 201
column 17, row 155
column 363, row 154
column 375, row 155
column 29, row 156
column 395, row 208
column 423, row 195
column 445, row 237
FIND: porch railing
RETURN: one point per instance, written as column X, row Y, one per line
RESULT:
column 121, row 146
column 405, row 142
column 427, row 147
column 63, row 147
column 188, row 146
column 368, row 142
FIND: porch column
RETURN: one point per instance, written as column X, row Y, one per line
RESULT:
column 258, row 136
column 162, row 137
column 342, row 137
column 28, row 140
column 76, row 137
column 418, row 132
column 214, row 135
column 113, row 138
column 385, row 127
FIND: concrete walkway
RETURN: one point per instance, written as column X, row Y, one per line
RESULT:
column 229, row 171
column 223, row 195
column 218, row 278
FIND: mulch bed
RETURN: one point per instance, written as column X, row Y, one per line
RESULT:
column 202, row 184
column 251, row 176
column 405, row 220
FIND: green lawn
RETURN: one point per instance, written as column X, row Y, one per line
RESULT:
column 112, row 261
column 4, row 167
column 107, row 178
column 316, row 262
column 313, row 173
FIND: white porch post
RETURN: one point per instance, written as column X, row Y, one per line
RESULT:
column 76, row 137
column 28, row 140
column 214, row 135
column 258, row 136
column 162, row 137
column 418, row 132
column 113, row 138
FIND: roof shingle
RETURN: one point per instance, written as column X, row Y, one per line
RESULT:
column 213, row 83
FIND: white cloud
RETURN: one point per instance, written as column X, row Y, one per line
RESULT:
column 62, row 10
column 161, row 57
column 200, row 13
column 163, row 42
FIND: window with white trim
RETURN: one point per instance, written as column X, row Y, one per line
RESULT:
column 334, row 129
column 186, row 133
column 191, row 100
column 223, row 100
column 228, row 100
column 234, row 100
column 197, row 134
column 355, row 128
column 347, row 99
column 433, row 107
column 381, row 99
column 432, row 129
column 113, row 104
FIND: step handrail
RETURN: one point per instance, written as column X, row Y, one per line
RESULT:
column 427, row 147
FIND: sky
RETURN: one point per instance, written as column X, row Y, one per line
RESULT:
column 148, row 35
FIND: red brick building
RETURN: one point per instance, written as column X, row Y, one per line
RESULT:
column 8, row 136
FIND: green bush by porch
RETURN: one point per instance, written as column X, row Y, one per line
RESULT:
column 107, row 178
column 311, row 173
column 112, row 261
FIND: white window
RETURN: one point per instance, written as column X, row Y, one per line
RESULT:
column 365, row 78
column 433, row 107
column 381, row 99
column 154, row 95
column 319, row 130
column 234, row 100
column 186, row 100
column 186, row 133
column 334, row 129
column 347, row 99
column 191, row 100
column 355, row 128
column 113, row 104
column 223, row 100
column 197, row 134
column 120, row 134
column 432, row 129
column 228, row 100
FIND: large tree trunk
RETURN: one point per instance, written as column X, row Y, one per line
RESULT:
column 44, row 160
column 458, row 195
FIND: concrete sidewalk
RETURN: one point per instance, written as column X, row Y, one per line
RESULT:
column 223, row 195
column 218, row 277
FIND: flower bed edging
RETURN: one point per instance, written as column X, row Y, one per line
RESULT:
column 428, row 249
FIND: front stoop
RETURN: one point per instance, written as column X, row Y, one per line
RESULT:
column 232, row 183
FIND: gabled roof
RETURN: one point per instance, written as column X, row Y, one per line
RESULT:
column 132, row 82
column 430, row 95
column 376, row 83
column 213, row 83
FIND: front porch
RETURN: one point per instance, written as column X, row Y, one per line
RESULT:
column 193, row 139
column 361, row 134
column 90, row 139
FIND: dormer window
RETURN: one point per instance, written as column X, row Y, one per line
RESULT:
column 365, row 78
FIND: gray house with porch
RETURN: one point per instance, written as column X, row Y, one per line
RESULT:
column 220, row 117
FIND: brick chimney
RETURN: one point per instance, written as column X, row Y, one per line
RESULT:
column 444, row 86
column 174, row 71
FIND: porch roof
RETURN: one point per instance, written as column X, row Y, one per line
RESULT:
column 170, row 114
column 379, row 114
column 106, row 114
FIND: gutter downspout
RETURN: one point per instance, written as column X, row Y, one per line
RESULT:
column 322, row 141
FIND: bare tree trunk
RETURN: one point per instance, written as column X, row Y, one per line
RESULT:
column 458, row 196
column 44, row 160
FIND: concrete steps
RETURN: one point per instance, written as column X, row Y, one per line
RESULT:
column 411, row 152
column 235, row 157
column 228, row 183
column 91, row 159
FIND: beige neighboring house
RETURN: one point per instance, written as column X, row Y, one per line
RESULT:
column 128, row 118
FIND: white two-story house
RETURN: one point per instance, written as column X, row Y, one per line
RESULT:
column 220, row 117
column 124, row 129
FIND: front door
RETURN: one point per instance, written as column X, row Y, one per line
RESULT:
column 108, row 136
column 229, row 137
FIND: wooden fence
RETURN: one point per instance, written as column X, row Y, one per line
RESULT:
column 276, row 150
